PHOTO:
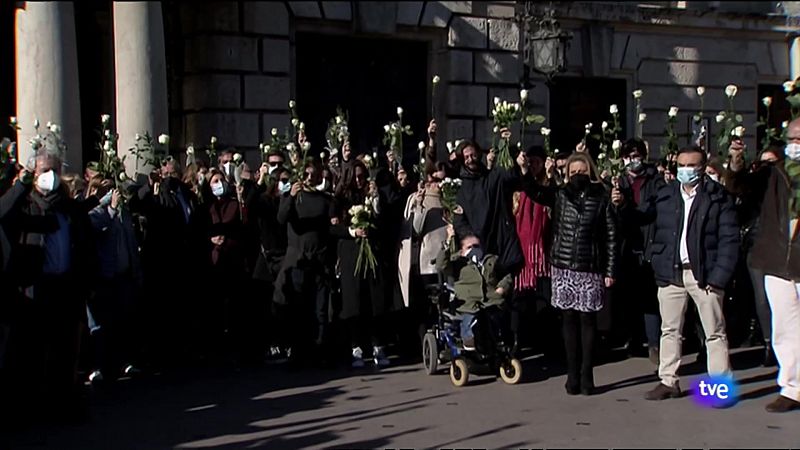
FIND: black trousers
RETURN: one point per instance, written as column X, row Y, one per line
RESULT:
column 579, row 330
column 308, row 309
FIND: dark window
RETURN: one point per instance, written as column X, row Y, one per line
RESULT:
column 368, row 78
column 778, row 111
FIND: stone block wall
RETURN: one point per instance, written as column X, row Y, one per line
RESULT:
column 239, row 58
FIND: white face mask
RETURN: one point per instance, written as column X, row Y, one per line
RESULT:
column 793, row 151
column 217, row 189
column 227, row 167
column 201, row 178
column 47, row 181
column 323, row 186
column 284, row 186
column 714, row 177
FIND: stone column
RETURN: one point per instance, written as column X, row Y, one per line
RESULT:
column 47, row 76
column 141, row 75
column 794, row 58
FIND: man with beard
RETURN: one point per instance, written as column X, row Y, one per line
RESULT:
column 485, row 197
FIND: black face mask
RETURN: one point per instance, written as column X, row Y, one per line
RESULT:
column 579, row 181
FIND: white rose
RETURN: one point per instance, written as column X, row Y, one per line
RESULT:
column 295, row 122
column 107, row 133
column 516, row 106
column 642, row 117
column 213, row 139
column 267, row 148
column 399, row 111
column 613, row 109
column 458, row 142
column 321, row 155
column 138, row 137
column 55, row 128
column 738, row 131
column 637, row 93
column 505, row 104
column 190, row 150
column 13, row 120
column 588, row 126
column 545, row 131
column 616, row 145
column 386, row 128
column 394, row 127
column 604, row 125
column 785, row 124
column 601, row 156
column 237, row 157
column 292, row 104
column 497, row 101
column 163, row 139
column 496, row 129
column 105, row 118
column 306, row 146
column 291, row 147
column 48, row 124
column 107, row 145
column 731, row 90
column 435, row 79
column 274, row 132
column 122, row 176
column 720, row 118
column 421, row 145
column 302, row 126
column 110, row 153
column 523, row 95
column 673, row 111
column 450, row 147
column 338, row 120
column 788, row 86
column 35, row 123
column 766, row 101
column 700, row 91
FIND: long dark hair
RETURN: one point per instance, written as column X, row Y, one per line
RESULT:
column 347, row 186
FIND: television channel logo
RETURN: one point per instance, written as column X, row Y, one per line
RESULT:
column 716, row 391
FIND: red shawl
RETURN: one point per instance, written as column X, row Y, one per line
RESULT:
column 532, row 224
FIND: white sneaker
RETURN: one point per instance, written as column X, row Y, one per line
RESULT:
column 379, row 357
column 96, row 377
column 358, row 358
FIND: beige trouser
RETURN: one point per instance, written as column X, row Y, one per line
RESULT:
column 672, row 302
column 785, row 304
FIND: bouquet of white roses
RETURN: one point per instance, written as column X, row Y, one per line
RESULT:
column 110, row 165
column 393, row 135
column 337, row 132
column 609, row 158
column 449, row 188
column 361, row 217
column 504, row 115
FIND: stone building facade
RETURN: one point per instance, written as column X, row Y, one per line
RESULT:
column 229, row 68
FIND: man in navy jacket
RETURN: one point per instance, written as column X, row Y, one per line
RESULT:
column 693, row 251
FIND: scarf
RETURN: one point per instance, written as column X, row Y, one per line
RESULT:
column 532, row 223
column 793, row 171
column 44, row 208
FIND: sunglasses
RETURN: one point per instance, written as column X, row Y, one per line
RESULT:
column 274, row 163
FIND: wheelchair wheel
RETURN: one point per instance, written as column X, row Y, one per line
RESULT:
column 511, row 372
column 459, row 373
column 430, row 353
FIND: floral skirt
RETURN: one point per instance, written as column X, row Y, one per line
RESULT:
column 581, row 291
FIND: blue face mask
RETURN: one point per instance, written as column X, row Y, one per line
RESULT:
column 218, row 189
column 688, row 176
column 475, row 254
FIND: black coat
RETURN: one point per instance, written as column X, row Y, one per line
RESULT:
column 632, row 238
column 486, row 198
column 712, row 237
column 584, row 228
column 774, row 252
column 262, row 210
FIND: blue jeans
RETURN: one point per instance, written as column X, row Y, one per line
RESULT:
column 466, row 326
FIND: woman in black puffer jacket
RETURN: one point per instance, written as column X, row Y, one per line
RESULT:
column 583, row 258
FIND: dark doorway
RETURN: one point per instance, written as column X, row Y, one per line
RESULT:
column 779, row 111
column 368, row 78
column 574, row 102
column 93, row 33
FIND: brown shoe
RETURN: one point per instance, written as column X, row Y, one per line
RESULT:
column 663, row 392
column 782, row 404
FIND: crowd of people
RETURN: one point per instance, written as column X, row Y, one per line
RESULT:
column 202, row 264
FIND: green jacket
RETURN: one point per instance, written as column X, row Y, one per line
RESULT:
column 475, row 286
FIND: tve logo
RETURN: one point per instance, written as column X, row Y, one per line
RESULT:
column 719, row 391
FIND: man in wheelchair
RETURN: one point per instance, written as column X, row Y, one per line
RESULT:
column 477, row 287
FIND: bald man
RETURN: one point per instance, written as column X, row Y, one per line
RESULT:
column 776, row 252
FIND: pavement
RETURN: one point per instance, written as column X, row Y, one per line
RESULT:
column 402, row 407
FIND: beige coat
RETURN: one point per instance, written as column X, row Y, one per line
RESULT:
column 428, row 221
